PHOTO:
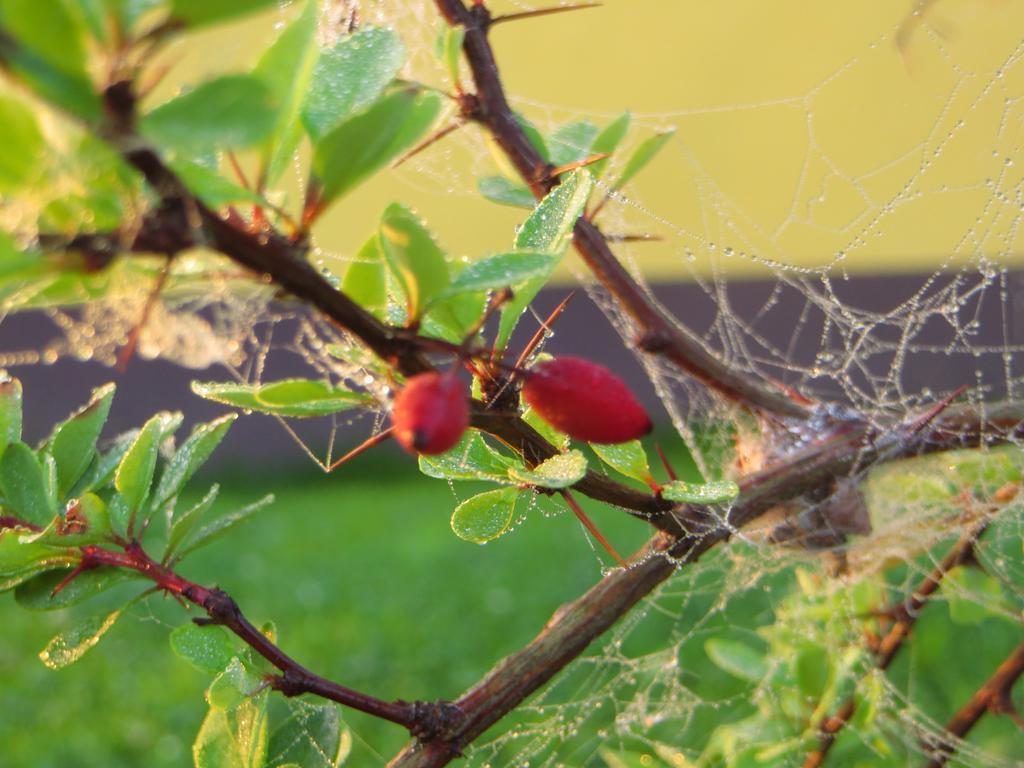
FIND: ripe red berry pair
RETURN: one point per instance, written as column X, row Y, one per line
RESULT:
column 582, row 399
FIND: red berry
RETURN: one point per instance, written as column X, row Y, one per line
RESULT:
column 586, row 401
column 430, row 413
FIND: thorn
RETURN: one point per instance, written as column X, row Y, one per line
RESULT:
column 541, row 12
column 928, row 416
column 157, row 77
column 544, row 329
column 126, row 352
column 77, row 571
column 435, row 137
column 554, row 172
column 364, row 446
column 665, row 463
column 634, row 238
column 237, row 168
column 589, row 525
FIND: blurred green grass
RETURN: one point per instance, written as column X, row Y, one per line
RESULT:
column 367, row 586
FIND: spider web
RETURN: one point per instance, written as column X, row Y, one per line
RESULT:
column 905, row 158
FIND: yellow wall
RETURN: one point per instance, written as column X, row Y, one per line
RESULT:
column 806, row 136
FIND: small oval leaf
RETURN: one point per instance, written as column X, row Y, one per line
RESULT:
column 68, row 647
column 208, row 649
column 295, row 398
column 486, row 516
column 628, row 458
column 560, row 471
column 719, row 492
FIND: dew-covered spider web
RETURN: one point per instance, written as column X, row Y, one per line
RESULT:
column 839, row 212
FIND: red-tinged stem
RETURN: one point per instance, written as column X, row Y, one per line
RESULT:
column 665, row 463
column 364, row 446
column 419, row 718
column 992, row 696
column 544, row 330
column 589, row 525
column 559, row 170
column 659, row 334
column 9, row 521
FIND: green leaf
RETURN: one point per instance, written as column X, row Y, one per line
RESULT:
column 349, row 77
column 449, row 49
column 182, row 525
column 23, row 483
column 287, row 69
column 414, row 258
column 210, row 186
column 736, row 658
column 485, row 516
column 21, row 552
column 642, row 155
column 37, row 593
column 192, row 454
column 535, row 137
column 366, row 142
column 471, row 459
column 559, row 471
column 50, row 53
column 294, row 398
column 209, row 533
column 548, row 229
column 558, row 439
column 812, row 670
column 135, row 472
column 630, row 459
column 10, row 411
column 22, row 142
column 234, row 733
column 572, row 142
column 718, row 492
column 608, row 141
column 73, row 444
column 502, row 270
column 505, row 191
column 312, row 736
column 68, row 647
column 228, row 111
column 365, row 281
column 208, row 649
column 195, row 13
column 232, row 686
column 973, row 596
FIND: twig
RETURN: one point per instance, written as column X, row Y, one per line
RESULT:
column 420, row 719
column 658, row 333
column 574, row 626
column 905, row 616
column 992, row 696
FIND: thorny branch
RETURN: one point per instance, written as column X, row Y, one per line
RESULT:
column 658, row 333
column 441, row 729
column 992, row 696
column 424, row 720
column 574, row 626
column 182, row 221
